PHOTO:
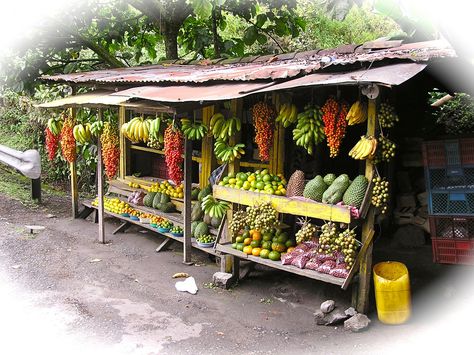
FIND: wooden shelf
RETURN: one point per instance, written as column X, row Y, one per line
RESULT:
column 147, row 226
column 227, row 249
column 158, row 151
column 249, row 164
column 284, row 204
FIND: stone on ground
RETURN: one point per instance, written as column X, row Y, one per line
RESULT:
column 357, row 323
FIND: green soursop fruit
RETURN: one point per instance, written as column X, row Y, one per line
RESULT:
column 355, row 193
column 148, row 199
column 201, row 229
column 157, row 200
column 195, row 193
column 329, row 179
column 204, row 192
column 335, row 192
column 197, row 213
column 315, row 188
column 165, row 198
column 193, row 226
column 168, row 207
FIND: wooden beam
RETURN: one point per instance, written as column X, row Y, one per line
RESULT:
column 278, row 150
column 236, row 109
column 73, row 175
column 365, row 269
column 208, row 161
column 100, row 186
column 124, row 151
column 188, row 151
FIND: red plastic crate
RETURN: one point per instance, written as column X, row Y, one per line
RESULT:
column 453, row 152
column 452, row 227
column 452, row 251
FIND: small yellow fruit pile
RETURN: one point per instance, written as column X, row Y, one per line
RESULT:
column 168, row 189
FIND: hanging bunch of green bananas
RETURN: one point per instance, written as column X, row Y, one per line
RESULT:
column 213, row 207
column 137, row 130
column 227, row 153
column 309, row 130
column 224, row 128
column 82, row 133
column 288, row 115
column 193, row 131
column 156, row 137
column 55, row 125
column 96, row 128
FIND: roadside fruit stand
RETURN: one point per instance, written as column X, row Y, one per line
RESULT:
column 289, row 170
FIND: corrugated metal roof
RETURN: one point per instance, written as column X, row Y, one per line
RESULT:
column 263, row 67
column 394, row 74
column 90, row 99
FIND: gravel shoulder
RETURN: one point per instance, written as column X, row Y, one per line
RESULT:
column 56, row 296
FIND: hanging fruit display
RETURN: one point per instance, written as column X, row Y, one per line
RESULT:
column 55, row 125
column 238, row 222
column 306, row 233
column 386, row 150
column 329, row 232
column 387, row 115
column 226, row 152
column 309, row 130
column 347, row 244
column 213, row 207
column 335, row 124
column 137, row 130
column 222, row 127
column 109, row 140
column 261, row 216
column 52, row 143
column 365, row 148
column 357, row 113
column 68, row 143
column 82, row 133
column 156, row 135
column 380, row 193
column 96, row 128
column 192, row 130
column 174, row 149
column 263, row 116
column 288, row 115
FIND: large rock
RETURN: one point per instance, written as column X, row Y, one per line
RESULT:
column 222, row 279
column 327, row 306
column 350, row 312
column 357, row 323
column 335, row 317
column 408, row 236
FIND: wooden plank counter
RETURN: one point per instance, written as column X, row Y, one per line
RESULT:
column 284, row 204
column 226, row 248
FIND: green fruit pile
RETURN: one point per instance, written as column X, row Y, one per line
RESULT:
column 261, row 216
column 206, row 239
column 258, row 181
column 176, row 230
column 165, row 224
column 267, row 245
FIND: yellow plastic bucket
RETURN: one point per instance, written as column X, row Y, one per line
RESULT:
column 392, row 292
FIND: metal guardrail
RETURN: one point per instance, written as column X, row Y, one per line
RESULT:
column 28, row 163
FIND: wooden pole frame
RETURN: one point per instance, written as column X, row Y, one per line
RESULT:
column 73, row 176
column 100, row 185
column 365, row 268
column 188, row 151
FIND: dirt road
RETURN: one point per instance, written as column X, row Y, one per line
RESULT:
column 62, row 292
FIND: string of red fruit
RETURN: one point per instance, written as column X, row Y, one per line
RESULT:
column 109, row 140
column 335, row 124
column 174, row 149
column 52, row 143
column 68, row 143
column 264, row 121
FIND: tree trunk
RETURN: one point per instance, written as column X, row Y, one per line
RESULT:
column 217, row 44
column 170, row 34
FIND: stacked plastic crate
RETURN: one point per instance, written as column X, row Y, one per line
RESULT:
column 449, row 173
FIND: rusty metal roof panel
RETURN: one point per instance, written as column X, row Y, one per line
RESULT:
column 268, row 67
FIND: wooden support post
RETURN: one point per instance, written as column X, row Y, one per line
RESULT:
column 208, row 161
column 365, row 269
column 278, row 150
column 124, row 151
column 228, row 263
column 36, row 189
column 100, row 186
column 188, row 151
column 122, row 228
column 73, row 174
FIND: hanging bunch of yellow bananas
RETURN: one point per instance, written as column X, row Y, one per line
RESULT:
column 288, row 115
column 137, row 130
column 223, row 128
column 364, row 149
column 82, row 133
column 357, row 113
column 192, row 130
